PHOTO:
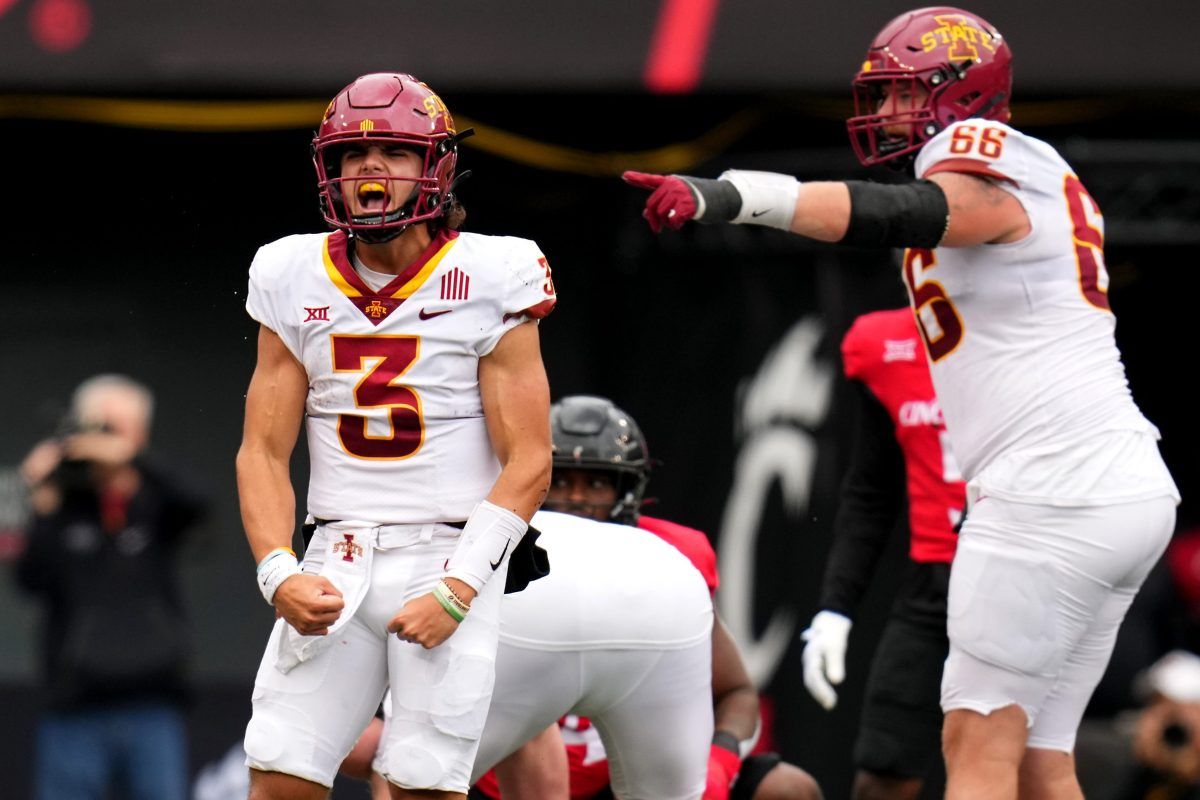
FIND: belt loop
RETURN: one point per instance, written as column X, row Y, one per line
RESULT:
column 427, row 532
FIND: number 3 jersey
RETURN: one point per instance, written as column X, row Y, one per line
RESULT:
column 1020, row 337
column 394, row 418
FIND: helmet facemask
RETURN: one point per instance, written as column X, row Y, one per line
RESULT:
column 429, row 195
column 910, row 128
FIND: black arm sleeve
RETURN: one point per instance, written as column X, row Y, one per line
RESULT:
column 914, row 214
column 872, row 498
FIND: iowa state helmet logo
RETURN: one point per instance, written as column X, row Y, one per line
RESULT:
column 961, row 36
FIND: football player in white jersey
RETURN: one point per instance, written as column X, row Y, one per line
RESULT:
column 410, row 351
column 1070, row 502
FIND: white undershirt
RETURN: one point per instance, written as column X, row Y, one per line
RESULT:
column 376, row 280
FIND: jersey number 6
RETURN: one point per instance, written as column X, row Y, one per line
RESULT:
column 384, row 359
column 941, row 326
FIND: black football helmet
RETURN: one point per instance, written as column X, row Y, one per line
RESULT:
column 591, row 433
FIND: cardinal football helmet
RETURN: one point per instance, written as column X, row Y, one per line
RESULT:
column 593, row 434
column 958, row 61
column 387, row 108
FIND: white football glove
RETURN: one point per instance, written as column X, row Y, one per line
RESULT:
column 824, row 656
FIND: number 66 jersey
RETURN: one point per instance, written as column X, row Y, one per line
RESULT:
column 394, row 418
column 1020, row 337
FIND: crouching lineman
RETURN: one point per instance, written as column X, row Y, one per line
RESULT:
column 618, row 631
column 601, row 468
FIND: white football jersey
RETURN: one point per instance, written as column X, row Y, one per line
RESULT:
column 610, row 587
column 1020, row 335
column 394, row 418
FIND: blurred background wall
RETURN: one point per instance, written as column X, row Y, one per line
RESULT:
column 150, row 148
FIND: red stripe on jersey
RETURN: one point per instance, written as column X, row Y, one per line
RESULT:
column 536, row 311
column 883, row 351
column 971, row 167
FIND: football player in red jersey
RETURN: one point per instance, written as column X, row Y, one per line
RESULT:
column 601, row 468
column 1070, row 502
column 900, row 450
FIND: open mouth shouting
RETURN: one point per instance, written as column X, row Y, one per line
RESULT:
column 372, row 197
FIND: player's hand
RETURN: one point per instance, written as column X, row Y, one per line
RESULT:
column 824, row 656
column 672, row 199
column 423, row 621
column 723, row 766
column 676, row 199
column 309, row 603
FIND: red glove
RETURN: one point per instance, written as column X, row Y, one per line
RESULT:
column 723, row 766
column 672, row 201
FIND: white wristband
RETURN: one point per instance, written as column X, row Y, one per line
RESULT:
column 768, row 198
column 489, row 537
column 279, row 565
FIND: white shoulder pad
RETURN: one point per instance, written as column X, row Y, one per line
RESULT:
column 530, row 288
column 269, row 273
column 274, row 259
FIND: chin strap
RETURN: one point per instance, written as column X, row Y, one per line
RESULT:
column 382, row 235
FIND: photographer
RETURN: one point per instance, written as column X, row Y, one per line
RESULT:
column 100, row 557
column 1166, row 734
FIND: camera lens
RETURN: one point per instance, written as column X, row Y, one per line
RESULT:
column 1176, row 735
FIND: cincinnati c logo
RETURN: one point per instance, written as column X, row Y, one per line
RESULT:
column 961, row 36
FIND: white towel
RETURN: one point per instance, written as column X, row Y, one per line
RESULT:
column 348, row 547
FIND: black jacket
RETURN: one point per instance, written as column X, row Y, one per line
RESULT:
column 114, row 627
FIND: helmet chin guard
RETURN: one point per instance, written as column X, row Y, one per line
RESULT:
column 387, row 109
column 956, row 60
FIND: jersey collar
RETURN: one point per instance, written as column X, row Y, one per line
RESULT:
column 377, row 306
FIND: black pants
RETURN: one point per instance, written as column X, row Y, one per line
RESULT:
column 901, row 729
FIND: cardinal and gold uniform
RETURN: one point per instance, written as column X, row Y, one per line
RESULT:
column 1070, row 503
column 398, row 446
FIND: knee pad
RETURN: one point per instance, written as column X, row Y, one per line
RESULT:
column 412, row 764
column 280, row 744
column 263, row 744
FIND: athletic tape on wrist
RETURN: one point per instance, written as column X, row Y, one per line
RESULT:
column 768, row 198
column 275, row 568
column 488, row 538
